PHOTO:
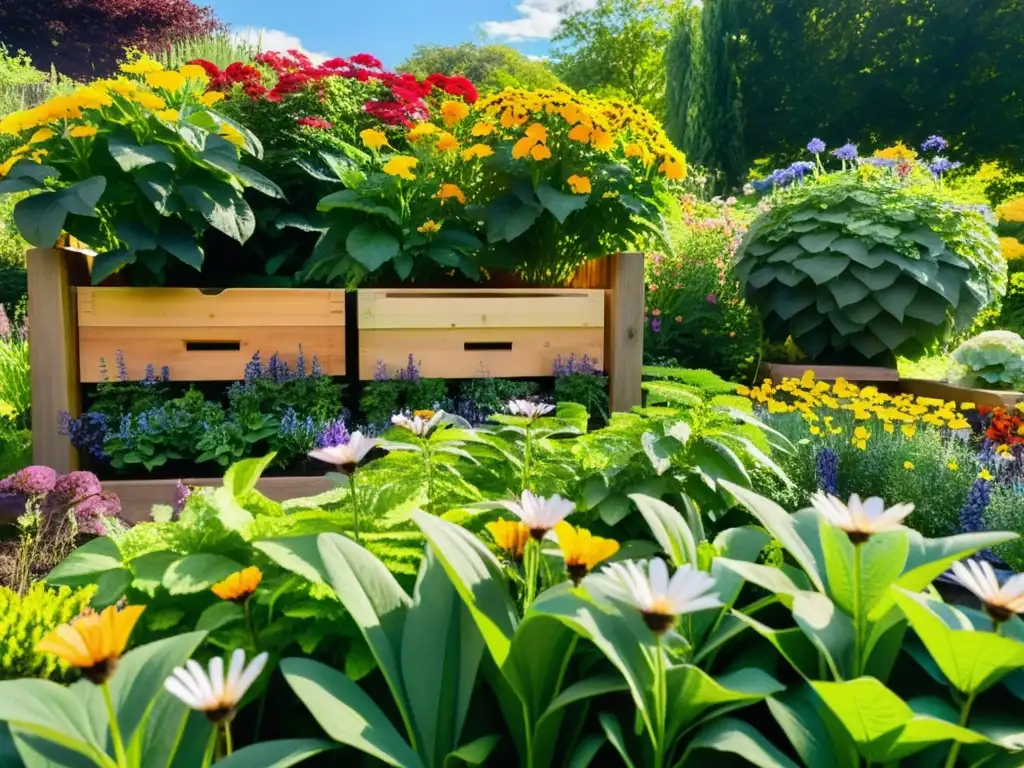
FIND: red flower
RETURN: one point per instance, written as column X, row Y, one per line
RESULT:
column 460, row 86
column 366, row 60
column 336, row 63
column 315, row 122
column 211, row 69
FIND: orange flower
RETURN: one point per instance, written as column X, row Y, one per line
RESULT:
column 522, row 148
column 446, row 142
column 602, row 140
column 482, row 129
column 580, row 185
column 449, row 191
column 537, row 132
column 94, row 641
column 540, row 152
column 580, row 133
column 238, row 586
column 672, row 168
column 477, row 151
column 82, row 132
column 429, row 227
column 454, row 112
column 510, row 535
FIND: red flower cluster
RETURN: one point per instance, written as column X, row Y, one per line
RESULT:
column 296, row 71
column 315, row 122
column 1004, row 428
column 234, row 74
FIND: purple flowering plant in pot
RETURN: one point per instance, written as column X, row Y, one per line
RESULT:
column 869, row 261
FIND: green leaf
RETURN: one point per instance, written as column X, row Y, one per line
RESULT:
column 198, row 572
column 613, row 731
column 157, row 184
column 474, row 753
column 882, row 559
column 51, row 711
column 815, row 733
column 588, row 688
column 613, row 510
column 243, row 476
column 828, row 628
column 110, row 587
column 131, row 156
column 371, row 246
column 86, row 563
column 816, row 242
column 378, row 605
column 275, row 754
column 559, row 204
column 149, row 570
column 479, row 579
column 403, row 264
column 299, row 554
column 136, row 235
column 972, row 661
column 222, row 206
column 41, row 217
column 446, row 257
column 587, row 751
column 350, row 199
column 219, row 615
column 183, row 246
column 740, row 739
column 346, row 713
column 692, row 692
column 669, row 529
column 823, row 268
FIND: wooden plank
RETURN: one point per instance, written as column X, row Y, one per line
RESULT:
column 53, row 353
column 855, row 373
column 595, row 273
column 947, row 392
column 480, row 308
column 138, row 496
column 187, row 353
column 443, row 354
column 191, row 308
column 625, row 330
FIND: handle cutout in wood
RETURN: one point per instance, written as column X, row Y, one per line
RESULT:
column 487, row 346
column 213, row 346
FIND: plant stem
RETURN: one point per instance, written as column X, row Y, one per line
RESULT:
column 177, row 739
column 426, row 468
column 211, row 745
column 858, row 611
column 527, row 457
column 660, row 703
column 229, row 745
column 954, row 751
column 355, row 503
column 115, row 729
column 531, row 561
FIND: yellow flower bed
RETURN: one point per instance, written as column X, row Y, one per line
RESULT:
column 1012, row 210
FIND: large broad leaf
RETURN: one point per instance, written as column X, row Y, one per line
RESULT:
column 41, row 217
column 298, row 554
column 822, row 268
column 474, row 753
column 439, row 627
column 275, row 754
column 222, row 206
column 130, row 156
column 346, row 713
column 559, row 204
column 740, row 739
column 378, row 605
column 613, row 732
column 692, row 692
column 669, row 529
column 243, row 476
column 372, row 246
column 198, row 572
column 779, row 524
column 828, row 628
column 972, row 661
column 182, row 244
column 87, row 563
column 882, row 558
column 157, row 183
column 479, row 579
column 815, row 733
column 52, row 712
column 352, row 200
column 882, row 725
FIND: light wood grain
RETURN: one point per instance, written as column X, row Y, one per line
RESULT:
column 595, row 273
column 157, row 325
column 480, row 308
column 138, row 496
column 442, row 353
column 625, row 330
column 855, row 373
column 53, row 353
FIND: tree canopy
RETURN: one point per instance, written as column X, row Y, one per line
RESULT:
column 490, row 67
column 85, row 38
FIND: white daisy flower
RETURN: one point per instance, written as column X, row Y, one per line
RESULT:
column 347, row 457
column 540, row 514
column 418, row 425
column 529, row 409
column 659, row 598
column 214, row 693
column 859, row 518
column 1001, row 602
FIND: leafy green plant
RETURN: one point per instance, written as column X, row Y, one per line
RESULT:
column 991, row 360
column 866, row 266
column 588, row 389
column 404, row 390
column 15, row 385
column 26, row 619
column 481, row 397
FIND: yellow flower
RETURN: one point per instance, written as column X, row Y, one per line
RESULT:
column 478, row 151
column 454, row 112
column 862, row 433
column 194, row 72
column 232, row 134
column 582, row 550
column 602, row 141
column 429, row 227
column 167, row 81
column 815, row 430
column 537, row 132
column 170, row 115
column 211, row 98
column 580, row 185
column 373, row 139
column 909, row 430
column 82, row 131
column 540, row 152
column 91, row 98
column 861, row 444
column 580, row 133
column 6, row 165
column 142, row 66
column 446, row 142
column 238, row 586
column 420, row 130
column 743, row 391
column 401, row 166
column 672, row 169
column 953, row 466
column 985, row 475
column 959, row 423
column 449, row 191
column 511, row 118
column 43, row 134
column 94, row 641
column 120, row 86
column 522, row 148
column 889, row 427
column 510, row 536
column 482, row 129
column 898, row 151
column 967, row 406
column 151, row 101
column 908, row 465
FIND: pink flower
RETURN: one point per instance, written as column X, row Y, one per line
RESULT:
column 712, row 299
column 315, row 122
column 652, row 287
column 656, row 313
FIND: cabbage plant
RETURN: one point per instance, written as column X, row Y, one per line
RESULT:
column 992, row 360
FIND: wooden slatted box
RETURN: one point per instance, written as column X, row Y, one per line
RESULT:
column 464, row 334
column 206, row 336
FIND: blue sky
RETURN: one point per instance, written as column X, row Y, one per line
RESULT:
column 390, row 29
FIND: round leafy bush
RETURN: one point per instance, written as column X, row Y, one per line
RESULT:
column 868, row 264
column 993, row 359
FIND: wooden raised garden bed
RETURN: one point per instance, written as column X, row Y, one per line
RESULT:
column 462, row 334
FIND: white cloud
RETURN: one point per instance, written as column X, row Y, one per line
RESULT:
column 539, row 19
column 275, row 40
